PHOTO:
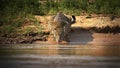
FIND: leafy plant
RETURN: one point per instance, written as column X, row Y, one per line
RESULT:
column 7, row 29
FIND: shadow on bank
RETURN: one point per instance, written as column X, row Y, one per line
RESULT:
column 80, row 36
column 106, row 29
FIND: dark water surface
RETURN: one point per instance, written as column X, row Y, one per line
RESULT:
column 59, row 56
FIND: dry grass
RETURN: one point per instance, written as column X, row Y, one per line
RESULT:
column 96, row 23
column 100, row 24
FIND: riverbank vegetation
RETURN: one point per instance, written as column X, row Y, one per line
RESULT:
column 18, row 16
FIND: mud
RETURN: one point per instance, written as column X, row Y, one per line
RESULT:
column 95, row 30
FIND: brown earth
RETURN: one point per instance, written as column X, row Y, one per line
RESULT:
column 80, row 36
column 93, row 30
column 83, row 32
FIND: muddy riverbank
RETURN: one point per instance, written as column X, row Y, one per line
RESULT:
column 97, row 30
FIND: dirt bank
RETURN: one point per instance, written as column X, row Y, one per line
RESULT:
column 95, row 30
column 80, row 36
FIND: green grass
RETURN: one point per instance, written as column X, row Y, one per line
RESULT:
column 16, row 13
column 76, row 7
column 35, row 7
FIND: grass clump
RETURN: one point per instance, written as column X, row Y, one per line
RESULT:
column 50, row 7
column 17, row 13
column 77, row 7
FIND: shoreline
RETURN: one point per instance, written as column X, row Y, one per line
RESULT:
column 85, row 30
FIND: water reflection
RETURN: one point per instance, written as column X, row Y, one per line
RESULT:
column 59, row 56
column 79, row 50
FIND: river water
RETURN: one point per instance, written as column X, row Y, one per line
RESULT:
column 59, row 56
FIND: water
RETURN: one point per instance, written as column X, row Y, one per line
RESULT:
column 59, row 56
